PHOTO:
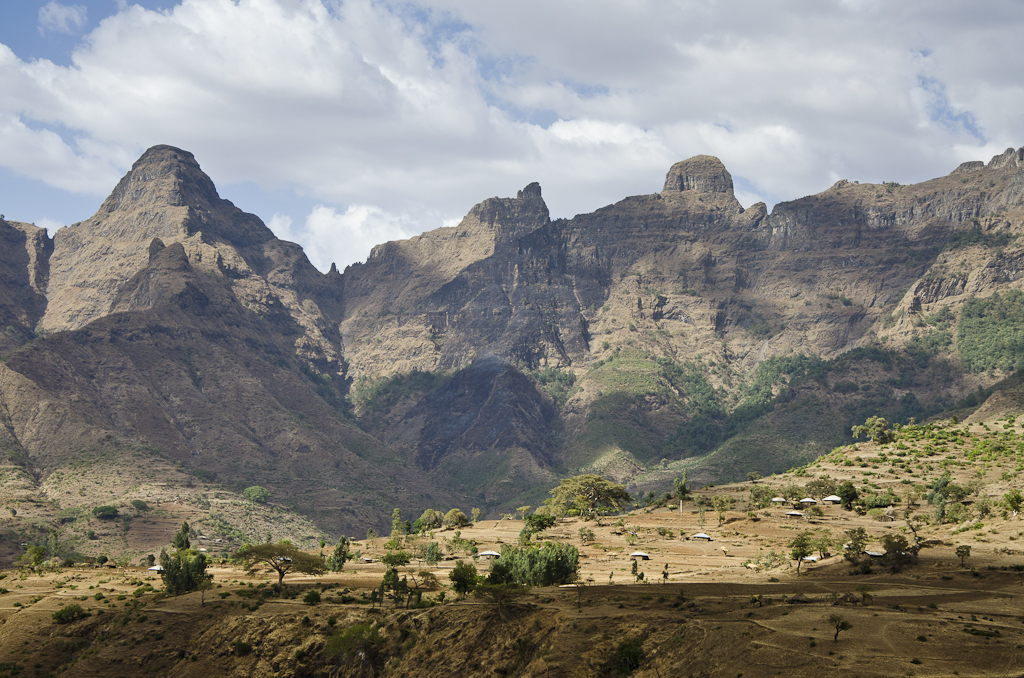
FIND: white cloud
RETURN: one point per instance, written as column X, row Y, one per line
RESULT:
column 328, row 236
column 422, row 109
column 58, row 18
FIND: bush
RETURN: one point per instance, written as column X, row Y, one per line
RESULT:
column 256, row 494
column 361, row 639
column 105, row 512
column 139, row 505
column 68, row 614
column 312, row 598
column 628, row 656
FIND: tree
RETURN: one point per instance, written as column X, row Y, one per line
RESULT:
column 33, row 556
column 534, row 524
column 432, row 553
column 820, row 487
column 336, row 562
column 463, row 577
column 396, row 559
column 754, row 476
column 680, row 485
column 586, row 536
column 802, row 547
column 822, row 543
column 397, row 525
column 256, row 494
column 180, row 540
column 590, row 494
column 702, row 506
column 184, row 570
column 429, row 520
column 847, row 494
column 963, row 552
column 522, row 511
column 897, row 552
column 1013, row 500
column 282, row 557
column 455, row 518
column 840, row 624
column 722, row 503
column 877, row 429
column 857, row 539
column 475, row 515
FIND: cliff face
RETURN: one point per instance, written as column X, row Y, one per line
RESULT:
column 485, row 359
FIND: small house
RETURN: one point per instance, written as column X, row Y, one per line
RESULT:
column 807, row 501
column 489, row 554
column 832, row 499
column 701, row 535
column 794, row 514
column 639, row 554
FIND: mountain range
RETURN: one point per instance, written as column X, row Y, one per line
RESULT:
column 174, row 335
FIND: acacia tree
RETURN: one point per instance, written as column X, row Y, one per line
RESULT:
column 282, row 557
column 840, row 624
column 590, row 494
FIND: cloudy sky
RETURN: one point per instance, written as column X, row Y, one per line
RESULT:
column 345, row 124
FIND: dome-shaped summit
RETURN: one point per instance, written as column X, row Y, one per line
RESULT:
column 704, row 173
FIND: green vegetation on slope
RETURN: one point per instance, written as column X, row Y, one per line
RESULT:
column 383, row 393
column 991, row 333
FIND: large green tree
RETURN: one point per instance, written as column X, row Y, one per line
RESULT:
column 802, row 546
column 877, row 429
column 282, row 557
column 184, row 571
column 590, row 495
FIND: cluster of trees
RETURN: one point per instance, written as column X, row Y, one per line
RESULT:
column 184, row 569
column 432, row 519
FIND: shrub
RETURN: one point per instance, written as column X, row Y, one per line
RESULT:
column 72, row 612
column 628, row 656
column 256, row 494
column 312, row 598
column 361, row 639
column 105, row 512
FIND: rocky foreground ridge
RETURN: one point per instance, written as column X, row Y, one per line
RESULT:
column 473, row 365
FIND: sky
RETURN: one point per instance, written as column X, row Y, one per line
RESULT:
column 346, row 124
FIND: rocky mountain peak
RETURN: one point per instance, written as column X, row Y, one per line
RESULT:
column 163, row 175
column 702, row 173
column 1009, row 158
column 531, row 191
